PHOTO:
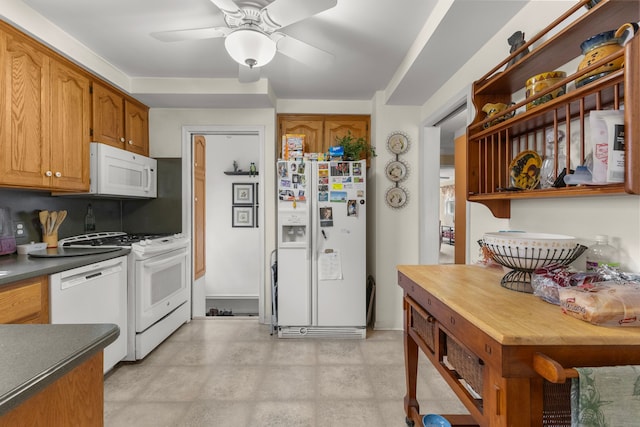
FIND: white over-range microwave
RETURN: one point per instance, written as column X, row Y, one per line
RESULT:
column 117, row 173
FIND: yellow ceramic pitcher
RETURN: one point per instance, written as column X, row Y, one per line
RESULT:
column 600, row 46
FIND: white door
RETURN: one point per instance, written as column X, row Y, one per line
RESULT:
column 294, row 239
column 340, row 249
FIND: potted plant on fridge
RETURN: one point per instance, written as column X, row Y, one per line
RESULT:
column 355, row 148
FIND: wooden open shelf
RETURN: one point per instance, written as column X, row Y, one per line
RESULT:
column 491, row 148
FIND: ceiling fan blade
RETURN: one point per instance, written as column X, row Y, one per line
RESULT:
column 301, row 51
column 248, row 75
column 227, row 6
column 281, row 13
column 193, row 34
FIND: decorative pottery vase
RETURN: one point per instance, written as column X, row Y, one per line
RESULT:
column 493, row 110
column 600, row 46
column 540, row 82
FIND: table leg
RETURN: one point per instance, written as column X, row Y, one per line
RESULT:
column 411, row 405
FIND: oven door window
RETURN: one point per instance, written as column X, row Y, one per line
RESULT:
column 161, row 287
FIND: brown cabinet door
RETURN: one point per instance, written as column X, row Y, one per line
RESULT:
column 70, row 127
column 321, row 130
column 136, row 123
column 24, row 113
column 26, row 301
column 199, row 206
column 312, row 127
column 337, row 127
column 108, row 116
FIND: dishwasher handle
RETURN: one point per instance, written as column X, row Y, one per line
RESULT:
column 80, row 279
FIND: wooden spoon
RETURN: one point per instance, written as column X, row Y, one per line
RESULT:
column 44, row 216
column 53, row 217
column 61, row 216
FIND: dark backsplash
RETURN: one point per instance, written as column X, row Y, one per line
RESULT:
column 161, row 215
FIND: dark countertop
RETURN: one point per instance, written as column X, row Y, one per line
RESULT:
column 18, row 267
column 34, row 356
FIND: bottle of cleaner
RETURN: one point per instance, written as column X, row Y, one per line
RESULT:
column 89, row 220
column 601, row 254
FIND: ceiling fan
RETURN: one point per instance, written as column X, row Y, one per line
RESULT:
column 252, row 35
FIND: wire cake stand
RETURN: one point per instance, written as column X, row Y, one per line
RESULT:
column 524, row 260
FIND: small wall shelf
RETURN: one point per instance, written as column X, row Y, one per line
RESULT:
column 246, row 173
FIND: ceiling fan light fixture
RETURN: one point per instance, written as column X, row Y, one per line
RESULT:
column 250, row 47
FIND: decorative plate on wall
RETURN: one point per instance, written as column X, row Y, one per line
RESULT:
column 396, row 197
column 396, row 170
column 398, row 142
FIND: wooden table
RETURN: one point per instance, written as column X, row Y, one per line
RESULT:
column 449, row 307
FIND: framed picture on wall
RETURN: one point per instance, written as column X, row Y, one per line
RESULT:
column 242, row 193
column 242, row 216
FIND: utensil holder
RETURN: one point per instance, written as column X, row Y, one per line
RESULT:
column 50, row 239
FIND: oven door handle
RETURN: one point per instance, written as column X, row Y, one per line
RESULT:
column 181, row 255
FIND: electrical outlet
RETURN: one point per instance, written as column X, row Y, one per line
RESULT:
column 19, row 229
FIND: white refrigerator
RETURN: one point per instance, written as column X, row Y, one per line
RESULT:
column 321, row 289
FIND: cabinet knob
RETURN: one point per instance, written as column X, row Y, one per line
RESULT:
column 122, row 139
column 58, row 174
column 130, row 142
column 48, row 173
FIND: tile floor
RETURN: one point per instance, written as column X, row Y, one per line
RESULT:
column 232, row 372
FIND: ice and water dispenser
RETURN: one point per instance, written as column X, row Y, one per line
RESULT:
column 293, row 231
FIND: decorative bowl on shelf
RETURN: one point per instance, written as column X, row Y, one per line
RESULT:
column 540, row 82
column 524, row 252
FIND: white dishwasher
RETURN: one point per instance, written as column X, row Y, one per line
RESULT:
column 95, row 293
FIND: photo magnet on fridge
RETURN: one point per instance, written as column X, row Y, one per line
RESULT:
column 352, row 208
column 338, row 196
column 339, row 168
column 326, row 217
column 283, row 172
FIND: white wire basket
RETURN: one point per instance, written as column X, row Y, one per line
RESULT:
column 524, row 252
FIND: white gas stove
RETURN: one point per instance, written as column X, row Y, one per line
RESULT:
column 159, row 288
column 139, row 243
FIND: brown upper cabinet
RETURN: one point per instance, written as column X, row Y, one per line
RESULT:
column 119, row 121
column 321, row 130
column 44, row 118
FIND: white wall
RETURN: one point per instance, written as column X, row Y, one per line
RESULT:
column 232, row 254
column 393, row 236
